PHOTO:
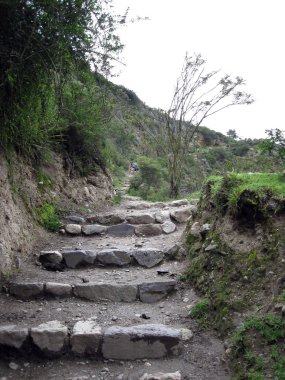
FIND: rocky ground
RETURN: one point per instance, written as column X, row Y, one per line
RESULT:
column 159, row 298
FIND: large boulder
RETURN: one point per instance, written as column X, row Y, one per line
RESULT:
column 161, row 216
column 13, row 336
column 141, row 219
column 155, row 291
column 140, row 342
column 77, row 258
column 107, row 219
column 118, row 257
column 106, row 292
column 86, row 338
column 26, row 290
column 121, row 230
column 181, row 216
column 93, row 229
column 50, row 338
column 168, row 227
column 75, row 219
column 148, row 257
column 54, row 257
column 148, row 230
column 73, row 229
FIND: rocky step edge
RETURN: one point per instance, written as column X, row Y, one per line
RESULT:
column 87, row 338
column 118, row 257
column 147, row 292
column 118, row 225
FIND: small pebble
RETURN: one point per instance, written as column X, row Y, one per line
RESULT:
column 13, row 366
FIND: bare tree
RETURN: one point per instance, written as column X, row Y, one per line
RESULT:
column 197, row 96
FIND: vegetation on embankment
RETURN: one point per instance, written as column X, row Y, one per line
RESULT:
column 237, row 259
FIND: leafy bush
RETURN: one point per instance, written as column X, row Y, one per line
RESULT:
column 48, row 217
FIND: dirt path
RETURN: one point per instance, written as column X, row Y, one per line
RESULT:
column 202, row 356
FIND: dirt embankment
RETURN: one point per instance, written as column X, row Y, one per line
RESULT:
column 24, row 188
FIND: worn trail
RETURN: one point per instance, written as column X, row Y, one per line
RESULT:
column 103, row 300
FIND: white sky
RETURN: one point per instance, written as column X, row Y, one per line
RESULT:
column 240, row 37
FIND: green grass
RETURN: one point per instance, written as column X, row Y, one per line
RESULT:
column 200, row 313
column 233, row 184
column 48, row 217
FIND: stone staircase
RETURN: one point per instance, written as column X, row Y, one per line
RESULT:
column 104, row 297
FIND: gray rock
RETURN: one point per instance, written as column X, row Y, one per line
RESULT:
column 181, row 216
column 26, row 290
column 141, row 219
column 75, row 218
column 93, row 229
column 51, row 338
column 54, row 257
column 168, row 227
column 86, row 338
column 141, row 341
column 162, row 376
column 148, row 230
column 118, row 257
column 73, row 229
column 172, row 252
column 148, row 257
column 155, row 291
column 206, row 228
column 14, row 366
column 195, row 229
column 13, row 336
column 58, row 289
column 106, row 292
column 76, row 258
column 283, row 310
column 211, row 248
column 186, row 335
column 161, row 217
column 120, row 230
column 107, row 219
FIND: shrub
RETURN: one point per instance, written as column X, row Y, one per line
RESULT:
column 48, row 217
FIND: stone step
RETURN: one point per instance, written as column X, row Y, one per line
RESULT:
column 75, row 258
column 147, row 292
column 87, row 338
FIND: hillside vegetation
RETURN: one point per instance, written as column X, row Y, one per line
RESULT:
column 236, row 250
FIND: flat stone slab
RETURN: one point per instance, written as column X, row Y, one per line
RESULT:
column 118, row 257
column 86, row 338
column 76, row 258
column 106, row 292
column 51, row 338
column 107, row 219
column 93, row 229
column 168, row 227
column 141, row 219
column 148, row 230
column 50, row 257
column 26, row 290
column 121, row 230
column 58, row 289
column 155, row 291
column 13, row 336
column 148, row 257
column 139, row 342
column 73, row 229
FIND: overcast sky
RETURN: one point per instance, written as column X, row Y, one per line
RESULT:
column 240, row 37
